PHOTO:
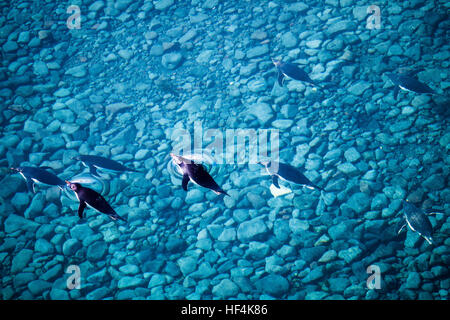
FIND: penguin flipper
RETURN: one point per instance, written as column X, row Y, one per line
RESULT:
column 81, row 209
column 280, row 78
column 185, row 181
column 275, row 181
column 115, row 216
column 396, row 90
column 30, row 185
column 93, row 171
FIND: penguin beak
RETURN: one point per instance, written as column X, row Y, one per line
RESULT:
column 275, row 62
column 68, row 182
column 176, row 159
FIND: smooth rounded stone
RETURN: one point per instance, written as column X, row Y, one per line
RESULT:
column 312, row 254
column 254, row 229
column 288, row 40
column 171, row 60
column 113, row 108
column 81, row 231
column 282, row 124
column 31, row 126
column 257, row 51
column 205, row 271
column 187, row 265
column 20, row 201
column 204, row 57
column 275, row 285
column 359, row 202
column 331, row 126
column 338, row 285
column 298, row 226
column 40, row 68
column 10, row 46
column 98, row 294
column 129, row 269
column 122, row 4
column 162, row 4
column 62, row 93
column 96, row 5
column 37, row 287
column 445, row 141
column 36, row 206
column 156, row 280
column 314, row 274
column 142, row 154
column 313, row 44
column 43, row 246
column 21, row 260
column 130, row 282
column 257, row 250
column 328, row 256
column 352, row 155
column 394, row 192
column 413, row 280
column 96, row 251
column 359, row 88
column 350, row 254
column 194, row 196
column 71, row 246
column 64, row 115
column 379, row 202
column 434, row 182
column 401, row 125
column 262, row 111
column 22, row 279
column 257, row 85
column 228, row 234
column 225, row 289
column 77, row 71
column 281, row 230
column 340, row 26
column 14, row 222
column 348, row 169
column 24, row 37
column 125, row 54
column 256, row 200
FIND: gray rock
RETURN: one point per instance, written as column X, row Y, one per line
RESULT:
column 254, row 229
column 156, row 280
column 96, row 251
column 162, row 4
column 98, row 294
column 15, row 222
column 350, row 254
column 413, row 280
column 187, row 265
column 225, row 289
column 21, row 260
column 359, row 88
column 262, row 111
column 70, row 247
column 257, row 250
column 228, row 234
column 130, row 282
column 81, row 231
column 171, row 60
column 36, row 206
column 352, row 155
column 125, row 54
column 257, row 51
column 359, row 202
column 348, row 168
column 43, row 246
column 314, row 274
column 288, row 40
column 273, row 284
column 37, row 287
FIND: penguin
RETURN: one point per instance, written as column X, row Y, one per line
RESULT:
column 417, row 221
column 39, row 175
column 92, row 198
column 286, row 69
column 287, row 173
column 196, row 173
column 408, row 83
column 96, row 162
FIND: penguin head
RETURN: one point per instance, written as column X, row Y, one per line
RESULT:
column 276, row 62
column 74, row 186
column 15, row 169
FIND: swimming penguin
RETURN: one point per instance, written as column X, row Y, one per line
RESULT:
column 39, row 175
column 286, row 69
column 287, row 173
column 195, row 173
column 417, row 221
column 94, row 199
column 407, row 83
column 98, row 162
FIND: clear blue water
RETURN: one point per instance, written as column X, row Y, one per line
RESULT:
column 134, row 81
